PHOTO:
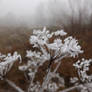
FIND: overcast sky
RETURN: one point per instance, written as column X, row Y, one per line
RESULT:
column 35, row 11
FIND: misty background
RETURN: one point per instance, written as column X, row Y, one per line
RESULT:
column 43, row 12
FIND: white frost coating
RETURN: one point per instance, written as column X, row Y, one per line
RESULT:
column 56, row 45
column 34, row 87
column 60, row 32
column 54, row 49
column 6, row 63
column 52, row 87
column 71, row 46
column 14, row 86
column 48, row 47
column 82, row 68
column 73, row 80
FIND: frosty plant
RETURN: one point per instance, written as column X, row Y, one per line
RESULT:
column 83, row 83
column 6, row 63
column 49, row 47
column 82, row 67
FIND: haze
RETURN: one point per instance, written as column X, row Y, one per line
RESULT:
column 38, row 12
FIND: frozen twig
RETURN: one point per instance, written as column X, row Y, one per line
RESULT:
column 71, row 88
column 12, row 84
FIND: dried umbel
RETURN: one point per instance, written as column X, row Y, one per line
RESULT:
column 51, row 50
column 49, row 47
column 6, row 63
column 82, row 67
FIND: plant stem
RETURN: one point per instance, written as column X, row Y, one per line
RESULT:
column 18, row 89
column 71, row 88
column 48, row 77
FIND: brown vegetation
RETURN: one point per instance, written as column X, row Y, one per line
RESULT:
column 17, row 39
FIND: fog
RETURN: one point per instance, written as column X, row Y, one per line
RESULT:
column 41, row 12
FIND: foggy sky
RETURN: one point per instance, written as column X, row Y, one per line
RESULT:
column 38, row 12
